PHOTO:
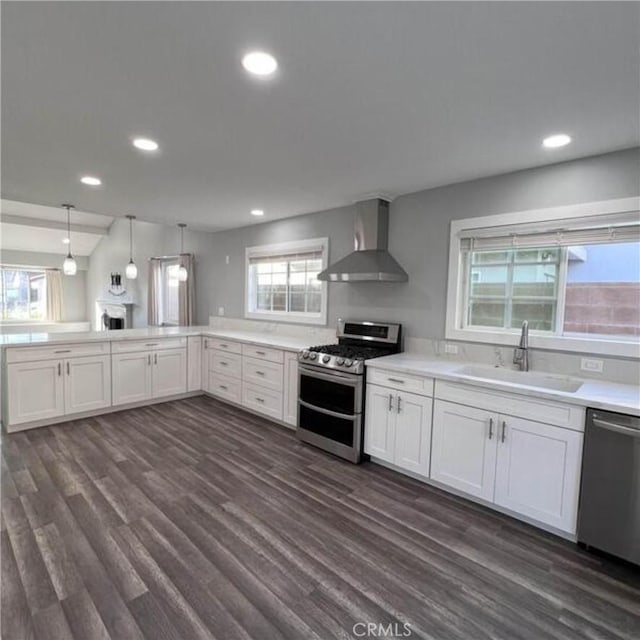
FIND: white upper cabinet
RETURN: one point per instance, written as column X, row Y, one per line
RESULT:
column 87, row 384
column 464, row 448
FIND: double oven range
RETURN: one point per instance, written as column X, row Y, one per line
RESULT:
column 332, row 385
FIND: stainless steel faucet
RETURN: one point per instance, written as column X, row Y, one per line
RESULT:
column 521, row 352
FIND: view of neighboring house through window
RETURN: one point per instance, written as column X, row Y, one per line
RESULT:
column 22, row 294
column 170, row 292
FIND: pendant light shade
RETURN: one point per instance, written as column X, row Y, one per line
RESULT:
column 131, row 271
column 183, row 274
column 69, row 266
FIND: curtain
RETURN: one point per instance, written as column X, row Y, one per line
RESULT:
column 187, row 293
column 154, row 295
column 53, row 279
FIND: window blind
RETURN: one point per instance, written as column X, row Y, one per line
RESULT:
column 559, row 233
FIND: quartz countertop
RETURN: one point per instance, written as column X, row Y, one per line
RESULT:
column 597, row 394
column 262, row 338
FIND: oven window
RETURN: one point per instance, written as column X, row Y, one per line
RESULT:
column 336, row 429
column 328, row 395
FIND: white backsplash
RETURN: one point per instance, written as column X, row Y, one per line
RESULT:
column 315, row 335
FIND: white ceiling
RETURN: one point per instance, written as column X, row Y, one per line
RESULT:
column 369, row 97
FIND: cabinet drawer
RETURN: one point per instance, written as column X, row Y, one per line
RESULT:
column 262, row 400
column 401, row 381
column 54, row 352
column 262, row 353
column 225, row 387
column 262, row 372
column 222, row 345
column 513, row 404
column 226, row 363
column 131, row 346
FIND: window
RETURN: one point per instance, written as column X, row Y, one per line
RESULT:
column 573, row 273
column 170, row 292
column 282, row 282
column 22, row 294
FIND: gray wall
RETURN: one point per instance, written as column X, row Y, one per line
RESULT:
column 112, row 255
column 419, row 238
column 74, row 288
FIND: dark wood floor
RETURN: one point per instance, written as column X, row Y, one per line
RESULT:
column 193, row 520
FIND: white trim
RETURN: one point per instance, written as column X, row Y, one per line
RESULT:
column 280, row 248
column 455, row 287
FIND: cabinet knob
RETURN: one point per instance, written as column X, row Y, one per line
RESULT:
column 504, row 431
column 490, row 428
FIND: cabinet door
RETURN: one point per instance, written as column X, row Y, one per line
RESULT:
column 194, row 362
column 463, row 452
column 538, row 471
column 291, row 389
column 413, row 432
column 169, row 372
column 380, row 419
column 35, row 391
column 87, row 383
column 131, row 377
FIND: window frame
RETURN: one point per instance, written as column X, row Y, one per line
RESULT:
column 456, row 307
column 42, row 272
column 292, row 247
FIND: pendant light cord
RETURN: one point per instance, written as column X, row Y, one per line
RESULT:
column 130, row 239
column 68, row 207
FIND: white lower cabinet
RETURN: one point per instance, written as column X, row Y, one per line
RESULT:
column 464, row 448
column 141, row 376
column 290, row 387
column 398, row 428
column 35, row 391
column 87, row 384
column 528, row 467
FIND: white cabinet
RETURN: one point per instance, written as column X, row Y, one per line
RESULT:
column 169, row 372
column 139, row 376
column 194, row 363
column 87, row 384
column 131, row 377
column 291, row 388
column 464, row 448
column 35, row 391
column 538, row 471
column 398, row 428
column 528, row 467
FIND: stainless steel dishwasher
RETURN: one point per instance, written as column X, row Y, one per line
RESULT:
column 609, row 515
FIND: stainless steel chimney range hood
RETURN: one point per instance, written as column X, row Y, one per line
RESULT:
column 371, row 261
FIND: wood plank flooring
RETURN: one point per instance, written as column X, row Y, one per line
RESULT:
column 194, row 520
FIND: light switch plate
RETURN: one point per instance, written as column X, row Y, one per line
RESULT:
column 220, row 311
column 226, row 259
column 591, row 364
column 450, row 348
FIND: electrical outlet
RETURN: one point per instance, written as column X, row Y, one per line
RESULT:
column 220, row 311
column 451, row 348
column 226, row 259
column 592, row 365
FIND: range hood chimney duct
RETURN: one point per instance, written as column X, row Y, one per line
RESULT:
column 371, row 261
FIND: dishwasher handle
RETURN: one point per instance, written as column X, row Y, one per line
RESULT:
column 618, row 428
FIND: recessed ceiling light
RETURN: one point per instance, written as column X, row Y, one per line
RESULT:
column 556, row 140
column 146, row 144
column 257, row 212
column 260, row 63
column 65, row 241
column 91, row 181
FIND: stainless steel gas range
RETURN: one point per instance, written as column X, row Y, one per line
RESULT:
column 332, row 385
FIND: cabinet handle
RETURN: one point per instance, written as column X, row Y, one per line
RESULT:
column 224, row 364
column 155, row 358
column 504, row 431
column 398, row 404
column 397, row 380
column 260, row 373
column 149, row 359
column 490, row 428
column 224, row 346
column 261, row 353
column 151, row 344
column 206, row 344
column 68, row 369
column 63, row 351
column 223, row 387
column 59, row 369
column 390, row 401
column 260, row 399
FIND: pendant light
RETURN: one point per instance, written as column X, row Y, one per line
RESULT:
column 69, row 266
column 131, row 271
column 183, row 274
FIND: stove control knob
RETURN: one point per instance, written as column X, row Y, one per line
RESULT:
column 340, row 361
column 348, row 363
column 313, row 355
column 305, row 354
column 326, row 359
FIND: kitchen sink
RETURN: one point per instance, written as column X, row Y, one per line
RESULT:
column 526, row 378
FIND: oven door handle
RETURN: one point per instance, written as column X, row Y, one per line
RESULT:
column 327, row 412
column 339, row 378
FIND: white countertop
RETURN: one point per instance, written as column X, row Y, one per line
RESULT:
column 264, row 339
column 608, row 396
